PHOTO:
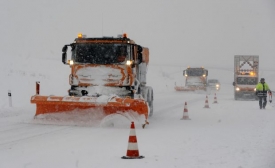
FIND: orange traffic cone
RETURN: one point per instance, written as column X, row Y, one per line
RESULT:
column 215, row 99
column 206, row 103
column 185, row 113
column 132, row 151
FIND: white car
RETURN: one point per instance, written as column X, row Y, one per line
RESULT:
column 214, row 84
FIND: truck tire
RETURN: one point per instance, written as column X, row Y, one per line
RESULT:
column 150, row 100
column 148, row 95
column 151, row 107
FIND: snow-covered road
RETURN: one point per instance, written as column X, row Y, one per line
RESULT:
column 228, row 134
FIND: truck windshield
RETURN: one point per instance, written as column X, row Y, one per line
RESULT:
column 195, row 72
column 100, row 53
column 246, row 81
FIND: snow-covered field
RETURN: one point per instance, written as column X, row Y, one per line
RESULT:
column 230, row 134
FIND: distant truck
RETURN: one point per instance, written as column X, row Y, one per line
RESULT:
column 246, row 76
column 195, row 79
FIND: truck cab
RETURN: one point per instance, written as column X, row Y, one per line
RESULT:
column 106, row 65
column 246, row 77
column 196, row 78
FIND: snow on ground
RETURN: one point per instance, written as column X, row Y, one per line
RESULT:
column 230, row 134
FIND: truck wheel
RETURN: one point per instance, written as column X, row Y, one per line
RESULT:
column 150, row 99
column 151, row 107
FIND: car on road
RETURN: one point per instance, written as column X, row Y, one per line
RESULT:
column 213, row 84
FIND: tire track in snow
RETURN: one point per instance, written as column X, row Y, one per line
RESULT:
column 163, row 108
column 28, row 132
column 10, row 127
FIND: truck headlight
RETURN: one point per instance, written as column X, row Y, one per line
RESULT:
column 128, row 62
column 70, row 62
column 237, row 89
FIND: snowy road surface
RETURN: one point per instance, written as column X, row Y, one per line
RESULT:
column 229, row 134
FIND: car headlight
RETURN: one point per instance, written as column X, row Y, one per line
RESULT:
column 237, row 89
column 217, row 85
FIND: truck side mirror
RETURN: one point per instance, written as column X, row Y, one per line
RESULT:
column 65, row 48
column 64, row 58
column 234, row 83
column 73, row 47
column 139, row 54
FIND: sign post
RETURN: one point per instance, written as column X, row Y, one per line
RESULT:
column 10, row 101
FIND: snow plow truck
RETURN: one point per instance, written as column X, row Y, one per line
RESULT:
column 108, row 77
column 246, row 77
column 195, row 80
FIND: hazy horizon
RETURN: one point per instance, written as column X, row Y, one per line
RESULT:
column 181, row 33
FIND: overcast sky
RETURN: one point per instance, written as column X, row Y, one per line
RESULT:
column 178, row 32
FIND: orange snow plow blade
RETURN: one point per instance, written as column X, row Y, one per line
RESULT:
column 58, row 104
